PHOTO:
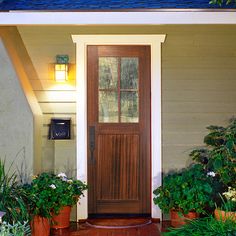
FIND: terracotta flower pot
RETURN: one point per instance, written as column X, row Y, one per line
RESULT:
column 224, row 215
column 40, row 226
column 178, row 219
column 62, row 220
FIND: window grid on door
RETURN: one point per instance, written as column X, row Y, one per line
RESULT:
column 118, row 89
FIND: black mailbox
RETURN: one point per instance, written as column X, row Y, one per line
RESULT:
column 59, row 129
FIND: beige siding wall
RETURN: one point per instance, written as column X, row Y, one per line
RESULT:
column 16, row 118
column 198, row 82
column 24, row 70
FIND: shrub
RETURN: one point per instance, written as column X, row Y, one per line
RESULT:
column 49, row 193
column 219, row 155
column 186, row 190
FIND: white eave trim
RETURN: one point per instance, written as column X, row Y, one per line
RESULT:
column 117, row 18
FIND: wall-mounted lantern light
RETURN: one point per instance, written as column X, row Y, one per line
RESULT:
column 61, row 68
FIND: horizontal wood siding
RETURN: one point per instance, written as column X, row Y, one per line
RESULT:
column 198, row 79
column 57, row 100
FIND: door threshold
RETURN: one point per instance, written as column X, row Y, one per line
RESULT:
column 117, row 216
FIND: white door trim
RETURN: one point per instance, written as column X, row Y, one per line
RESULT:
column 81, row 77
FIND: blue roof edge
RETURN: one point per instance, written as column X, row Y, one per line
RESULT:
column 99, row 5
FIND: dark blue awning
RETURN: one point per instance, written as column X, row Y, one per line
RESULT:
column 60, row 5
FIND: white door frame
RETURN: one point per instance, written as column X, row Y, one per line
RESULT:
column 81, row 111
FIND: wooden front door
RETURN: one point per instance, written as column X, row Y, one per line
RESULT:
column 119, row 166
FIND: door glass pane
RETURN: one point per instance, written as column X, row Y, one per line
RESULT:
column 129, row 107
column 108, row 107
column 108, row 72
column 129, row 73
column 118, row 89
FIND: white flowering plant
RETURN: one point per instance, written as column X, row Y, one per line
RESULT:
column 229, row 203
column 49, row 192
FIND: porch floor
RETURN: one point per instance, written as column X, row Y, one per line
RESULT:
column 82, row 229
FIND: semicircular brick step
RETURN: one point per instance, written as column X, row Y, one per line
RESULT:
column 118, row 223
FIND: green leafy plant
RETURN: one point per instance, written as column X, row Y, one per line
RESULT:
column 71, row 189
column 222, row 2
column 219, row 155
column 205, row 226
column 49, row 193
column 12, row 197
column 189, row 189
column 16, row 229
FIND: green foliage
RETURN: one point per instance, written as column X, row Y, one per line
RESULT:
column 187, row 190
column 222, row 2
column 219, row 155
column 12, row 197
column 200, row 186
column 49, row 192
column 205, row 226
column 17, row 229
